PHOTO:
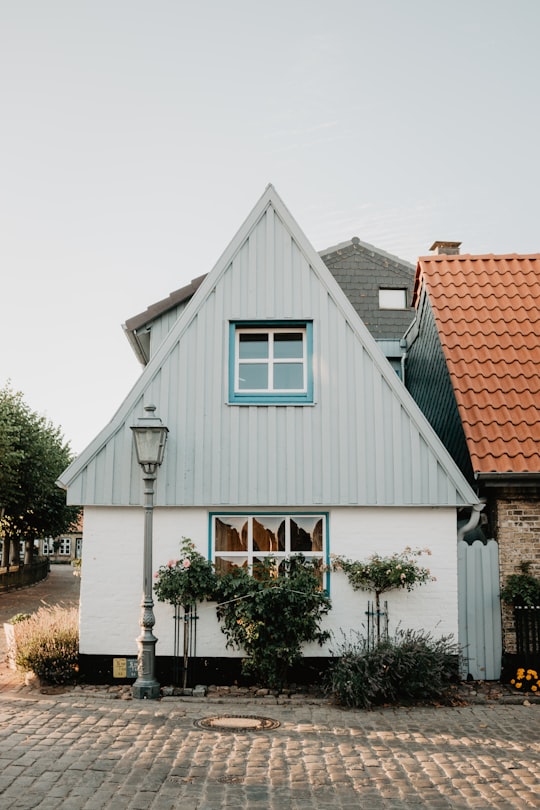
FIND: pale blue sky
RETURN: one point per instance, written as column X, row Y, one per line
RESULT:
column 136, row 136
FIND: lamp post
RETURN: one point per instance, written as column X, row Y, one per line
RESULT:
column 149, row 436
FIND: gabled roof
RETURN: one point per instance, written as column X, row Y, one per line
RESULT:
column 362, row 271
column 363, row 441
column 487, row 312
column 399, row 265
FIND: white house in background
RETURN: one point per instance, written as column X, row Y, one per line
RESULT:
column 282, row 412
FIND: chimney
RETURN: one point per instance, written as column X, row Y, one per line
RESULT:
column 448, row 248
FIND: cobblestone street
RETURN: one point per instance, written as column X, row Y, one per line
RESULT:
column 80, row 751
column 97, row 750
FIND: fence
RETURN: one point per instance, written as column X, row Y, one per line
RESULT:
column 21, row 575
column 527, row 623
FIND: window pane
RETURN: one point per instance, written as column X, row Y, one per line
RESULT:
column 268, row 534
column 288, row 344
column 225, row 565
column 253, row 346
column 232, row 534
column 306, row 534
column 392, row 299
column 253, row 377
column 289, row 376
column 260, row 564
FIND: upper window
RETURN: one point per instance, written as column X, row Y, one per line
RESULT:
column 392, row 299
column 270, row 363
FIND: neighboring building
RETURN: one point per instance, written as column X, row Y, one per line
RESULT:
column 473, row 366
column 63, row 549
column 380, row 288
column 284, row 419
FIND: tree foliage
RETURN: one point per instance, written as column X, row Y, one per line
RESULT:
column 33, row 454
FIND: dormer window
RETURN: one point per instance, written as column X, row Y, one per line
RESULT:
column 270, row 363
column 392, row 298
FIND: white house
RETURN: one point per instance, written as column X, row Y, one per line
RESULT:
column 282, row 411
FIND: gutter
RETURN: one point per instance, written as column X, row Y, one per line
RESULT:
column 472, row 522
column 508, row 479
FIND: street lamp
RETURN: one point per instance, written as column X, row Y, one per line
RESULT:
column 149, row 436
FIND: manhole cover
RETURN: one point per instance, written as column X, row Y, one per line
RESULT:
column 235, row 722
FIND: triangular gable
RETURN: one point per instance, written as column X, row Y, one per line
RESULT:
column 363, row 442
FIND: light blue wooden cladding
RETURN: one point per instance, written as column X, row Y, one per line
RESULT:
column 361, row 440
column 479, row 610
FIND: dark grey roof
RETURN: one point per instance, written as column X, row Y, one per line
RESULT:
column 157, row 309
column 362, row 270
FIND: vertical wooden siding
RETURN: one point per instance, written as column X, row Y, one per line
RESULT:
column 357, row 444
column 479, row 610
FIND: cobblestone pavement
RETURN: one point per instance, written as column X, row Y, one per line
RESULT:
column 90, row 752
column 86, row 750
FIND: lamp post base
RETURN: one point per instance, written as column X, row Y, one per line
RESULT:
column 145, row 690
column 146, row 686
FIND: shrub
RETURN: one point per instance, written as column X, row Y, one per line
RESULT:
column 272, row 614
column 19, row 617
column 411, row 667
column 523, row 588
column 48, row 644
column 185, row 581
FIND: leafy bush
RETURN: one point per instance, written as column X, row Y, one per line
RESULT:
column 272, row 614
column 381, row 574
column 412, row 666
column 19, row 617
column 48, row 644
column 523, row 588
column 186, row 581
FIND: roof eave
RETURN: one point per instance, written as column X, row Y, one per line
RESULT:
column 136, row 345
column 497, row 479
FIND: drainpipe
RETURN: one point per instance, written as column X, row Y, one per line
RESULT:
column 403, row 347
column 472, row 522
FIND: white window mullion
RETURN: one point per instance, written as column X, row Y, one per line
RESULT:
column 271, row 360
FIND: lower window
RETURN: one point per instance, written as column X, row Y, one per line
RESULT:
column 244, row 540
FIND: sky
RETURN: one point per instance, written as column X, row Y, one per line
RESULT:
column 136, row 137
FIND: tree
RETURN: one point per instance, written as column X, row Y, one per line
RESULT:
column 33, row 453
column 382, row 574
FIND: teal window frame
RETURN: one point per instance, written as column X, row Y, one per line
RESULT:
column 324, row 556
column 304, row 397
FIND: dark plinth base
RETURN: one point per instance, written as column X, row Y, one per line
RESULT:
column 147, row 690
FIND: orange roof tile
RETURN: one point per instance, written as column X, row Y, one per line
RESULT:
column 487, row 310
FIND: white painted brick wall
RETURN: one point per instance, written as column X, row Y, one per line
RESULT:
column 111, row 584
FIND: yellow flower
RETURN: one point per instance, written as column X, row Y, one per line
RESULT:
column 528, row 678
column 520, row 673
column 534, row 688
column 518, row 686
column 512, row 681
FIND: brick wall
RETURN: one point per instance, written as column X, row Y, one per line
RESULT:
column 518, row 534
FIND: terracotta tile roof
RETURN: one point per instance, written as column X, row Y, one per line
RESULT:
column 487, row 311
